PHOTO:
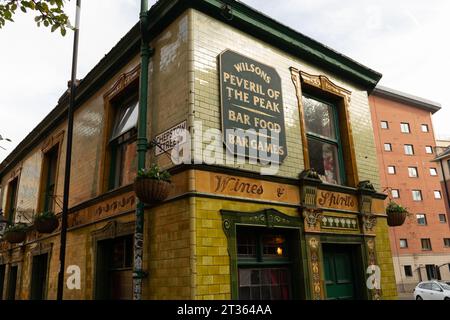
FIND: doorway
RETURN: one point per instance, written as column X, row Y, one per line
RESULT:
column 12, row 283
column 342, row 271
column 39, row 277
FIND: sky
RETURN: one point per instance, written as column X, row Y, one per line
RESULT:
column 405, row 40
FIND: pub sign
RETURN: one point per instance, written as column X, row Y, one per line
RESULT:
column 252, row 108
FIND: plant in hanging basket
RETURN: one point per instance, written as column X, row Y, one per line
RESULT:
column 152, row 185
column 46, row 222
column 396, row 214
column 16, row 233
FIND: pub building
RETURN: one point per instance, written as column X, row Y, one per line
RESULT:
column 314, row 228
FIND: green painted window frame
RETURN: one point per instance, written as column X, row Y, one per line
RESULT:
column 269, row 218
column 337, row 142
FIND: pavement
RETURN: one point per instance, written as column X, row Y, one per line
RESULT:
column 405, row 296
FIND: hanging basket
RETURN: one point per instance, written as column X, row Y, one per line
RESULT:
column 151, row 190
column 15, row 236
column 46, row 225
column 395, row 218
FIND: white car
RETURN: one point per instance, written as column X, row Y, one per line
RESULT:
column 432, row 290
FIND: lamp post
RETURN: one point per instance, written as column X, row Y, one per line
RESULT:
column 142, row 146
column 65, row 207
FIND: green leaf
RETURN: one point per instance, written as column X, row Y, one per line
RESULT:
column 54, row 27
column 23, row 9
column 63, row 31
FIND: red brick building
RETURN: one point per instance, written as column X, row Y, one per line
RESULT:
column 405, row 145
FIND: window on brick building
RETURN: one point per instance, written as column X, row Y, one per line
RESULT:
column 412, row 172
column 437, row 194
column 424, row 127
column 403, row 243
column 391, row 169
column 417, row 195
column 421, row 219
column 409, row 149
column 428, row 149
column 122, row 144
column 324, row 144
column 442, row 218
column 408, row 271
column 387, row 147
column 447, row 242
column 433, row 172
column 426, row 244
column 264, row 264
column 404, row 127
column 395, row 193
column 384, row 125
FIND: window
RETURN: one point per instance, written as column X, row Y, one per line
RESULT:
column 431, row 274
column 424, row 127
column 421, row 219
column 122, row 144
column 433, row 172
column 447, row 242
column 429, row 149
column 11, row 200
column 264, row 259
column 387, row 147
column 404, row 127
column 49, row 179
column 442, row 218
column 409, row 149
column 412, row 172
column 437, row 194
column 391, row 169
column 395, row 193
column 417, row 195
column 426, row 244
column 384, row 125
column 325, row 151
column 408, row 271
column 403, row 243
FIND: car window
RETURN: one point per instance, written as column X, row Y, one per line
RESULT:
column 435, row 287
column 444, row 285
column 426, row 286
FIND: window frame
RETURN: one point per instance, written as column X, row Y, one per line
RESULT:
column 429, row 148
column 126, row 87
column 12, row 192
column 398, row 193
column 389, row 149
column 439, row 193
column 415, row 170
column 409, row 273
column 394, row 168
column 433, row 170
column 425, row 221
column 384, row 122
column 400, row 243
column 420, row 193
column 321, row 87
column 405, row 148
column 401, row 127
column 446, row 242
column 424, row 125
column 428, row 241
column 442, row 215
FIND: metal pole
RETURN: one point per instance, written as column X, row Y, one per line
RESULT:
column 142, row 145
column 62, row 251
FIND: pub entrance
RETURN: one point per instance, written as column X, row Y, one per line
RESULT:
column 342, row 270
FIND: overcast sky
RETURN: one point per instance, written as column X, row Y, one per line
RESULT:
column 405, row 40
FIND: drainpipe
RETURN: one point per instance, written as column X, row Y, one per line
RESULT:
column 142, row 145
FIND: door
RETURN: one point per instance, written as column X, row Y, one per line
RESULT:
column 39, row 277
column 339, row 272
column 12, row 283
column 436, row 292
